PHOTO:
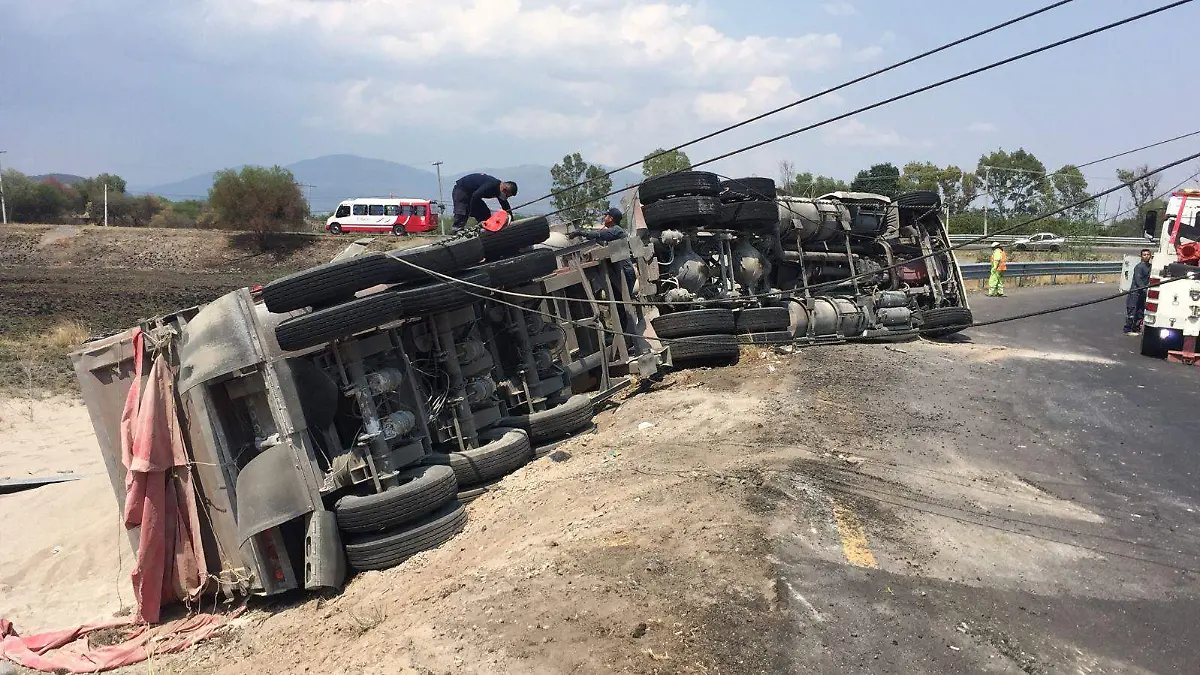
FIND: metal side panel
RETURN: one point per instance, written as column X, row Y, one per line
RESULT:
column 222, row 338
column 215, row 470
column 105, row 370
column 270, row 491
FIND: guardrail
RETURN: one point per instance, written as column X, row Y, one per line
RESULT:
column 1043, row 269
column 1094, row 241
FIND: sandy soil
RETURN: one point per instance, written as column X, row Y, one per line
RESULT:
column 63, row 552
column 41, row 437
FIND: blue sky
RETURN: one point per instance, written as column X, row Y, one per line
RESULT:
column 157, row 91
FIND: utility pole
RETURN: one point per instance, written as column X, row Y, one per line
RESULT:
column 307, row 193
column 106, row 204
column 3, row 208
column 987, row 204
column 441, row 204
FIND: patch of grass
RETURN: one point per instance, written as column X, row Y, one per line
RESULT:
column 34, row 362
column 68, row 335
column 367, row 618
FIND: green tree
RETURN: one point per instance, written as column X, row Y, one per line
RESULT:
column 1016, row 182
column 259, row 199
column 880, row 179
column 1143, row 186
column 808, row 185
column 91, row 190
column 1070, row 186
column 30, row 201
column 675, row 160
column 584, row 203
column 959, row 189
column 921, row 176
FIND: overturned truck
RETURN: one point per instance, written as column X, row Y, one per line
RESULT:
column 734, row 262
column 341, row 417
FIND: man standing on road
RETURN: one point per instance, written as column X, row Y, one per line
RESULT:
column 472, row 189
column 999, row 264
column 1135, row 302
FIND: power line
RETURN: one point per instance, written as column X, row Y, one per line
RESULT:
column 914, row 92
column 807, row 99
column 1144, row 147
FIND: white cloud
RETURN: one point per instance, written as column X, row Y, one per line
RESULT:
column 853, row 133
column 534, row 123
column 377, row 107
column 610, row 78
column 761, row 94
column 840, row 8
column 866, row 54
column 982, row 128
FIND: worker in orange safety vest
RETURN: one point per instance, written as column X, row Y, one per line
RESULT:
column 999, row 264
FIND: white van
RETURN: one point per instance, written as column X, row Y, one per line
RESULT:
column 379, row 215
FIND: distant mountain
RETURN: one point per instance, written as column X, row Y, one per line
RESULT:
column 64, row 178
column 338, row 177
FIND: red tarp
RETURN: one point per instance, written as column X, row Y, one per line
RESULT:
column 159, row 495
column 63, row 651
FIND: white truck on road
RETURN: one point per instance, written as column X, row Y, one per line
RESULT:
column 1173, row 309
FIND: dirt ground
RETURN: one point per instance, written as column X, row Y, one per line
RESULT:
column 733, row 520
column 107, row 279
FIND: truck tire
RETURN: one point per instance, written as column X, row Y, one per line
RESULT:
column 682, row 213
column 924, row 199
column 327, row 283
column 750, row 216
column 763, row 320
column 704, row 348
column 442, row 296
column 423, row 490
column 388, row 549
column 748, row 190
column 550, row 425
column 694, row 322
column 513, row 237
column 509, row 451
column 770, row 339
column 365, row 313
column 447, row 257
column 681, row 184
column 945, row 321
column 338, row 321
column 520, row 269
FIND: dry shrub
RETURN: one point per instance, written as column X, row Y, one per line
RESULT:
column 67, row 335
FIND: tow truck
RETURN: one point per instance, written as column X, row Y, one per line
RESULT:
column 1172, row 320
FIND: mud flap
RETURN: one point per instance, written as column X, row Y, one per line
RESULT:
column 324, row 556
column 270, row 492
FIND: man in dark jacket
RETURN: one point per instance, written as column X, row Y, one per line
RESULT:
column 1135, row 302
column 472, row 189
column 612, row 231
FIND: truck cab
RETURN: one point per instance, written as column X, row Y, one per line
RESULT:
column 1173, row 301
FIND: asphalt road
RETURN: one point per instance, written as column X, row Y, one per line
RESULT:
column 1029, row 503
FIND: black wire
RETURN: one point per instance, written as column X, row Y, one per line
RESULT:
column 908, row 94
column 806, row 99
column 1144, row 147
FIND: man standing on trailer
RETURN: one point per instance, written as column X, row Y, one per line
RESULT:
column 472, row 189
column 1135, row 302
column 999, row 264
column 612, row 231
